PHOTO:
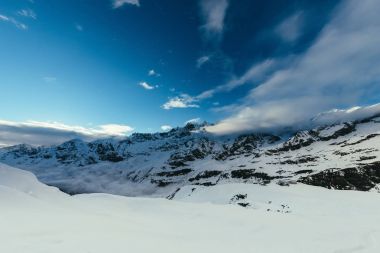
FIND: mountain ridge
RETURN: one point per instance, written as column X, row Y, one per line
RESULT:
column 339, row 156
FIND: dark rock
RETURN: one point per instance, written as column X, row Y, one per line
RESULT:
column 174, row 173
column 365, row 158
column 303, row 172
column 206, row 184
column 176, row 164
column 347, row 129
column 238, row 197
column 368, row 137
column 243, row 204
column 250, row 173
column 362, row 178
column 161, row 183
column 206, row 174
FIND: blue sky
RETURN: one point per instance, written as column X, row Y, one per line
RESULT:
column 147, row 63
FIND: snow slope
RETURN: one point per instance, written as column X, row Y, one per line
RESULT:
column 37, row 218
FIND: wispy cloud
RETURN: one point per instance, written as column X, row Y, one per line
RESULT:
column 182, row 101
column 48, row 133
column 119, row 3
column 340, row 70
column 202, row 60
column 13, row 21
column 147, row 86
column 256, row 73
column 4, row 18
column 291, row 28
column 152, row 72
column 28, row 13
column 213, row 13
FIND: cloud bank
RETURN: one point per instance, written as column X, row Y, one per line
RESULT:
column 340, row 70
column 48, row 133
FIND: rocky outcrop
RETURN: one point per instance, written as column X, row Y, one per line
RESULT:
column 362, row 178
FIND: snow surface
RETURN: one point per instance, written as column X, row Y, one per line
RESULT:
column 38, row 218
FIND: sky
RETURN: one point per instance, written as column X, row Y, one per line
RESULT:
column 97, row 68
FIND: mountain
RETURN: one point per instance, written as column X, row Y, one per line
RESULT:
column 342, row 156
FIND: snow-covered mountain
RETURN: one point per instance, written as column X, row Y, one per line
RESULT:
column 340, row 156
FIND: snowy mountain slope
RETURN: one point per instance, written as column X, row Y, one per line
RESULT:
column 340, row 156
column 37, row 218
column 26, row 183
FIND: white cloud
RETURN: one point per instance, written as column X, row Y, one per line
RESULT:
column 152, row 72
column 213, row 13
column 166, row 128
column 340, row 70
column 147, row 86
column 48, row 133
column 113, row 130
column 202, row 60
column 193, row 121
column 13, row 21
column 278, row 114
column 118, row 3
column 290, row 28
column 28, row 13
column 182, row 101
column 4, row 18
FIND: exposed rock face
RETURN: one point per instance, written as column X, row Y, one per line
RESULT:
column 158, row 164
column 362, row 178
